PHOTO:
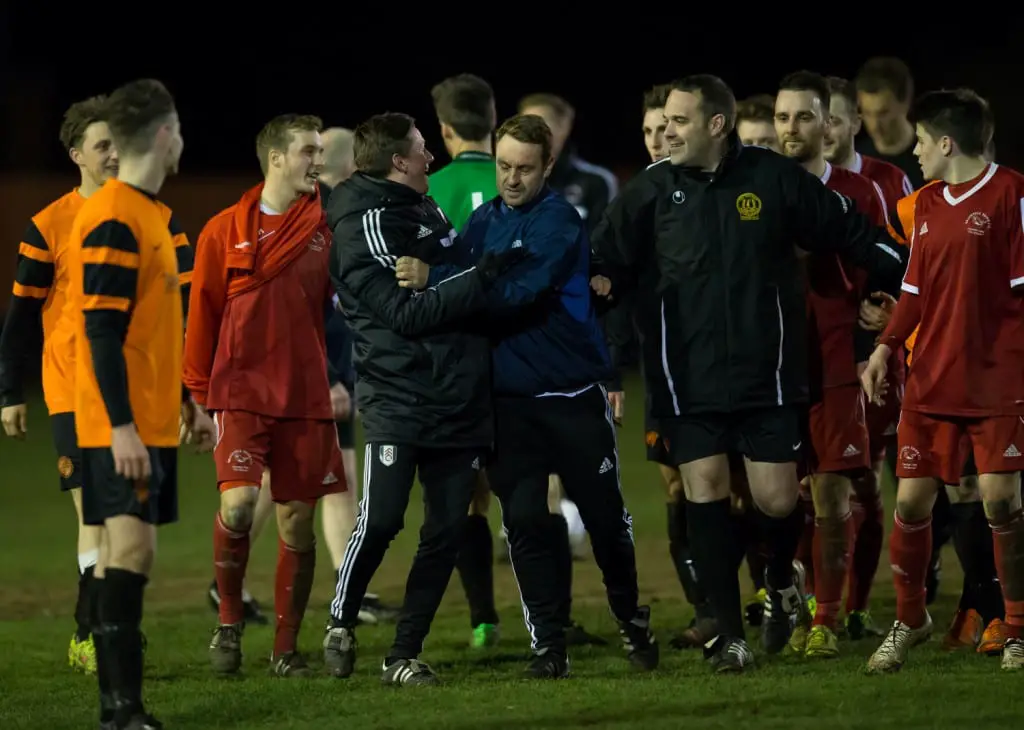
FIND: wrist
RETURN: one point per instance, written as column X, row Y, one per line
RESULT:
column 882, row 352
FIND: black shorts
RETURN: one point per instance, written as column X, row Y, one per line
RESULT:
column 346, row 433
column 773, row 435
column 69, row 458
column 106, row 494
column 656, row 450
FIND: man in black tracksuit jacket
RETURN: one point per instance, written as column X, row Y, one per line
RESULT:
column 422, row 384
column 706, row 239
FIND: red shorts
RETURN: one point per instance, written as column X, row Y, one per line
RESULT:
column 302, row 454
column 838, row 432
column 937, row 446
column 883, row 420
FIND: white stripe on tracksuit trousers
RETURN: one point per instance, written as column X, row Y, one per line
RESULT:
column 356, row 541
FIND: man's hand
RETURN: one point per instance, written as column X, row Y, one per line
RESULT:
column 411, row 273
column 873, row 316
column 15, row 420
column 872, row 379
column 617, row 400
column 197, row 427
column 602, row 286
column 131, row 459
column 204, row 430
column 341, row 402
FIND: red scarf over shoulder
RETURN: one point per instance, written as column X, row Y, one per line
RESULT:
column 258, row 264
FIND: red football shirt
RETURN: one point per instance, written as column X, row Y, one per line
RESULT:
column 835, row 289
column 891, row 180
column 965, row 278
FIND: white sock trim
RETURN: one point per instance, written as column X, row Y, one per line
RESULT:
column 87, row 560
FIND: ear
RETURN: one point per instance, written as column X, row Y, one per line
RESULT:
column 75, row 155
column 549, row 167
column 446, row 131
column 717, row 124
column 856, row 122
column 397, row 162
column 946, row 146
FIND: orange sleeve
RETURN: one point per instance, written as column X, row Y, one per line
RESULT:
column 207, row 300
column 905, row 217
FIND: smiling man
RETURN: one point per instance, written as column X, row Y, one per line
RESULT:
column 255, row 355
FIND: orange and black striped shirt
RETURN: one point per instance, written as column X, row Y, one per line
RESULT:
column 125, row 301
column 40, row 292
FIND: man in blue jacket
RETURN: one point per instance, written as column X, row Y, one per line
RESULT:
column 552, row 414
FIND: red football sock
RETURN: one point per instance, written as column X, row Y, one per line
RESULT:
column 230, row 557
column 805, row 548
column 868, row 534
column 910, row 551
column 833, row 541
column 1008, row 545
column 292, row 585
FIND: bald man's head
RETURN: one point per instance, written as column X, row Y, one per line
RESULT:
column 338, row 159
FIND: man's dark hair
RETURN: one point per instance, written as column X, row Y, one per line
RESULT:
column 808, row 81
column 758, row 108
column 78, row 118
column 715, row 96
column 277, row 134
column 528, row 129
column 378, row 139
column 135, row 112
column 466, row 104
column 561, row 108
column 959, row 114
column 885, row 73
column 843, row 88
column 656, row 96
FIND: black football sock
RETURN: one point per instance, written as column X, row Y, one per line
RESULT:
column 120, row 621
column 107, row 704
column 682, row 558
column 753, row 549
column 712, row 546
column 563, row 564
column 972, row 540
column 83, row 620
column 476, row 570
column 780, row 537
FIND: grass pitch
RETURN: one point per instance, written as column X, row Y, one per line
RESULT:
column 481, row 691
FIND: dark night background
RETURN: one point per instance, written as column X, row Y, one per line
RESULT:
column 227, row 83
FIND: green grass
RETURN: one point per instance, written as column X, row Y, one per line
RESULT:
column 37, row 689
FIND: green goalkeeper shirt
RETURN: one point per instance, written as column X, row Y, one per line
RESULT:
column 462, row 185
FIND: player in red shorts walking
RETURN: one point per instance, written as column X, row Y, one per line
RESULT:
column 255, row 357
column 837, row 431
column 866, row 504
column 966, row 387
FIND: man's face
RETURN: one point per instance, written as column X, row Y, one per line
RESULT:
column 560, row 127
column 687, row 131
column 759, row 134
column 932, row 154
column 175, row 144
column 801, row 123
column 416, row 165
column 96, row 156
column 883, row 114
column 654, row 134
column 844, row 123
column 522, row 170
column 301, row 162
